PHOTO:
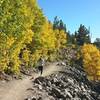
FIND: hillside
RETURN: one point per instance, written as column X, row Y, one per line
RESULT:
column 71, row 61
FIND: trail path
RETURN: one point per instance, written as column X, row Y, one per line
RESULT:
column 17, row 89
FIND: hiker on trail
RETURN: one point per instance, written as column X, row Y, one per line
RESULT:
column 40, row 65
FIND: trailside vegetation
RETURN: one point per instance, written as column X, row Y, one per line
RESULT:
column 91, row 61
column 25, row 35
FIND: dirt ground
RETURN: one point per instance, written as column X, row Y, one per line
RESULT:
column 17, row 89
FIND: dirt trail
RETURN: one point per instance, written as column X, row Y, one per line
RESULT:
column 17, row 89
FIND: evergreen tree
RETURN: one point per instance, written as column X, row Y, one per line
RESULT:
column 59, row 24
column 82, row 35
column 56, row 23
column 69, row 37
column 97, row 42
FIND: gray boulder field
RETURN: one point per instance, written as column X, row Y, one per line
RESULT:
column 69, row 84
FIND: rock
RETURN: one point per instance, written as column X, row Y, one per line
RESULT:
column 57, row 93
column 70, row 81
column 68, row 94
column 27, row 99
column 55, row 80
column 33, row 98
column 40, row 87
column 49, row 83
column 98, row 97
column 61, row 64
column 68, row 84
column 39, row 80
column 40, row 98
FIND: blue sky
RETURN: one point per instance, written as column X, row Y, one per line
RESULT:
column 74, row 13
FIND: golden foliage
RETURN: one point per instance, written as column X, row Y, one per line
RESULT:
column 61, row 38
column 91, row 60
column 23, row 25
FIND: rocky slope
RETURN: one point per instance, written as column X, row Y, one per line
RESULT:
column 69, row 84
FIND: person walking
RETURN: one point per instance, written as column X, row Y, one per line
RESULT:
column 41, row 65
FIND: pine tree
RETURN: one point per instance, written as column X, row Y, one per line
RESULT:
column 59, row 24
column 97, row 42
column 82, row 35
